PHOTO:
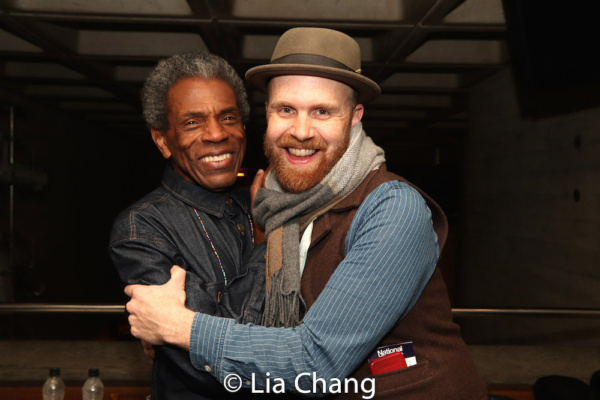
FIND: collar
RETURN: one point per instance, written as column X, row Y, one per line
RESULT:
column 198, row 197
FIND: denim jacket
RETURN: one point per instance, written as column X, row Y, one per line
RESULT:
column 210, row 235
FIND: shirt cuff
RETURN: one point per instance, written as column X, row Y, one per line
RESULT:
column 207, row 340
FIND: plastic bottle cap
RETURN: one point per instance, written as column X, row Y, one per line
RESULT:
column 93, row 372
column 54, row 371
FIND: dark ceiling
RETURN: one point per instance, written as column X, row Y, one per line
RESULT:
column 88, row 58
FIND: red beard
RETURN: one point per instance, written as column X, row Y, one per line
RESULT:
column 295, row 179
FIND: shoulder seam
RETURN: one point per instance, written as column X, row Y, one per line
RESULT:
column 132, row 227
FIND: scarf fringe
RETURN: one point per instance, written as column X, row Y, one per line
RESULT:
column 282, row 310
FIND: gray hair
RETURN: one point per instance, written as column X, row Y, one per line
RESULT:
column 187, row 65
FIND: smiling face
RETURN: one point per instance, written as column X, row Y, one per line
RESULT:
column 206, row 139
column 309, row 121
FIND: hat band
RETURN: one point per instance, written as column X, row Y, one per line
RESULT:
column 311, row 59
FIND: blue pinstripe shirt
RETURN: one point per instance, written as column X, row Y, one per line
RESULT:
column 391, row 251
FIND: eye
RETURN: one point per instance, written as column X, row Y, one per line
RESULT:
column 191, row 125
column 321, row 113
column 285, row 110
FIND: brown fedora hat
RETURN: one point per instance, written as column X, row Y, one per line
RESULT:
column 318, row 52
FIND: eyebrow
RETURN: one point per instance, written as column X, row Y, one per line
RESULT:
column 279, row 104
column 318, row 106
column 229, row 110
column 194, row 114
column 325, row 106
column 202, row 114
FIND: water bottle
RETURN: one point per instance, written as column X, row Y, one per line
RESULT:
column 54, row 387
column 93, row 388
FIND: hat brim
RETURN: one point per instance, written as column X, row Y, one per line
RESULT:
column 366, row 88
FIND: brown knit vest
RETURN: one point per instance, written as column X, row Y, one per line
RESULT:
column 444, row 369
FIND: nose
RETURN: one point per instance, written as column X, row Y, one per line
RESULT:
column 214, row 132
column 302, row 128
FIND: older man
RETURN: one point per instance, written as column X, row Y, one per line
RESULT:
column 196, row 106
column 348, row 241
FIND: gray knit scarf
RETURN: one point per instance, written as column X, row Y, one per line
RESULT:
column 285, row 215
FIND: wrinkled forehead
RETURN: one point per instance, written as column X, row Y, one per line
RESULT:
column 194, row 92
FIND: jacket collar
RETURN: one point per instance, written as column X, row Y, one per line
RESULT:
column 198, row 197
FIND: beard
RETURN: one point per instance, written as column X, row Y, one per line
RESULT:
column 299, row 179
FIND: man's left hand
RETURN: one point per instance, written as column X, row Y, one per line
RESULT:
column 149, row 351
column 157, row 313
column 257, row 183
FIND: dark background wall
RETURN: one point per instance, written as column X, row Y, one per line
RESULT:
column 61, row 229
column 532, row 217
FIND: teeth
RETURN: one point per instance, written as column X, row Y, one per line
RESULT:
column 220, row 158
column 301, row 152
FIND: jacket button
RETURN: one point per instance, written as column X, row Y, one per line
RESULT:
column 229, row 202
column 240, row 228
column 207, row 368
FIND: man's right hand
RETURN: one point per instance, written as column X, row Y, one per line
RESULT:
column 157, row 313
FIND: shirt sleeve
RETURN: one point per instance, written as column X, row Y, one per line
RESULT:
column 391, row 252
column 145, row 260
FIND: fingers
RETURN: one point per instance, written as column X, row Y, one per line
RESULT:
column 148, row 350
column 129, row 307
column 129, row 289
column 177, row 277
column 138, row 329
column 146, row 345
column 259, row 179
column 132, row 319
column 257, row 183
column 151, row 306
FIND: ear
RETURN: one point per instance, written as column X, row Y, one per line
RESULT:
column 357, row 114
column 161, row 142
